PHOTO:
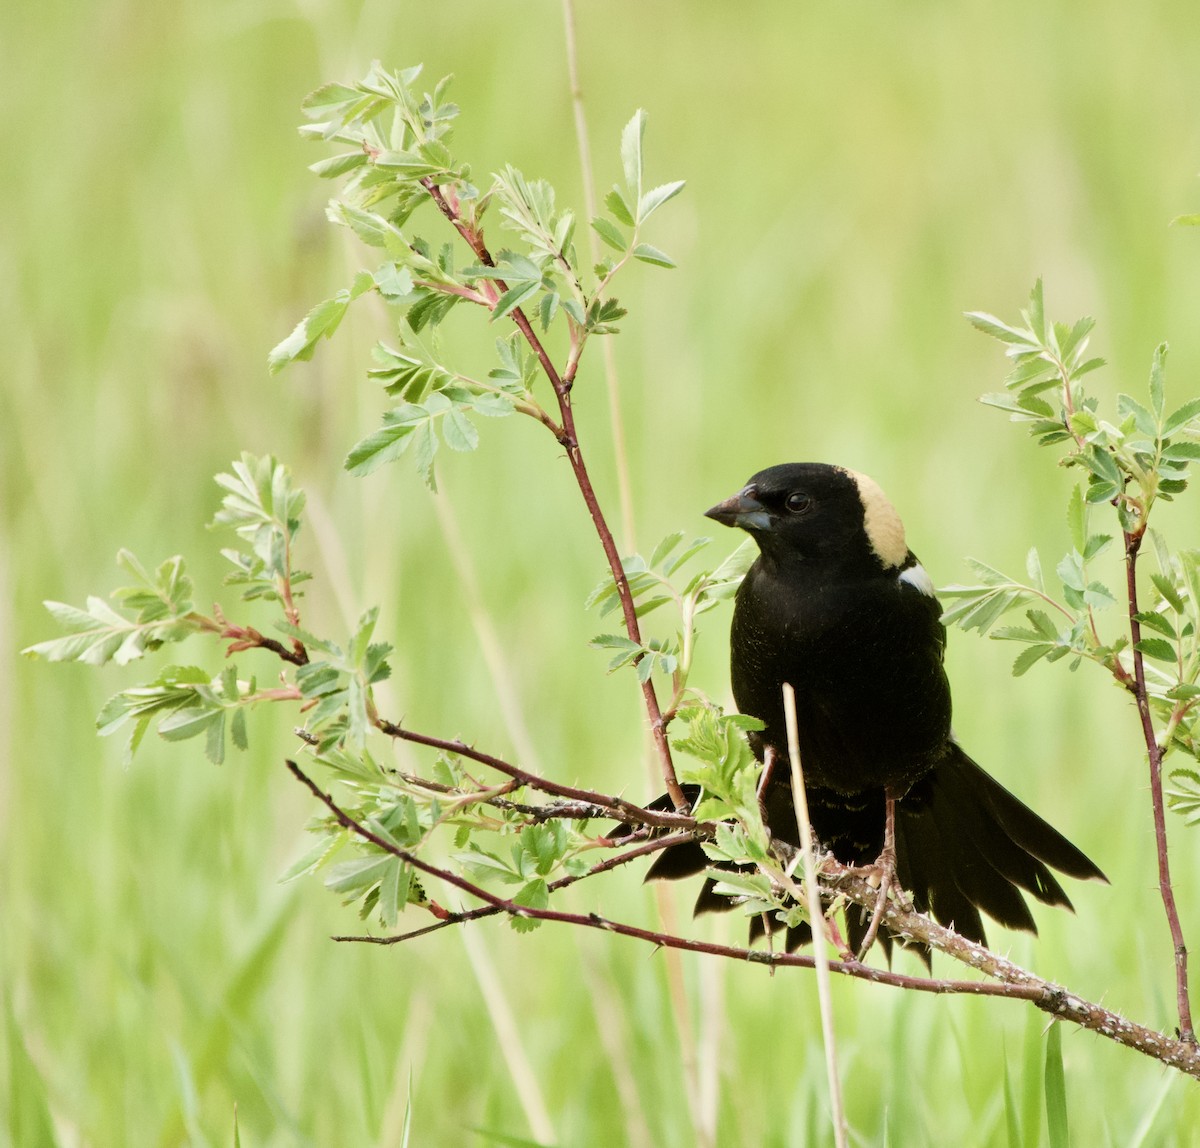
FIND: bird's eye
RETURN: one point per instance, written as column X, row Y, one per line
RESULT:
column 798, row 503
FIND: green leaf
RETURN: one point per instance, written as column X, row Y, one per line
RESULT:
column 1099, row 491
column 1166, row 587
column 458, row 431
column 1156, row 621
column 1158, row 380
column 1070, row 571
column 755, row 887
column 610, row 234
column 370, row 227
column 665, row 547
column 1098, row 596
column 652, row 200
column 1179, row 419
column 387, row 443
column 1145, row 422
column 337, row 165
column 188, row 722
column 1030, row 657
column 395, row 282
column 627, row 649
column 618, row 208
column 1035, row 374
column 1157, row 648
column 1077, row 519
column 409, row 374
column 355, row 877
column 684, row 556
column 327, row 843
column 631, row 153
column 1006, row 402
column 1086, row 368
column 533, row 895
column 1075, row 341
column 320, row 322
column 652, row 255
column 990, row 325
column 1186, row 221
column 99, row 634
column 514, row 297
column 988, row 575
column 1042, row 623
column 325, row 99
column 264, row 509
column 1185, row 798
column 393, row 892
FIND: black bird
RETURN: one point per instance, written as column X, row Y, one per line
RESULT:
column 837, row 605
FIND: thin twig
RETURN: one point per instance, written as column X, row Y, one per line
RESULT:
column 654, row 846
column 816, row 917
column 618, row 806
column 1154, row 752
column 624, row 487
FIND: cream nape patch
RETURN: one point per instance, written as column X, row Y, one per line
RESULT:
column 885, row 531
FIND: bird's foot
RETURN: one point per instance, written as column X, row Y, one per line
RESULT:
column 883, row 871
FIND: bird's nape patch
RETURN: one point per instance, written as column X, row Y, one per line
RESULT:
column 881, row 520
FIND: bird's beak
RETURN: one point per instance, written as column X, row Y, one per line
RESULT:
column 743, row 510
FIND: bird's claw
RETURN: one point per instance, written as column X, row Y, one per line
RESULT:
column 883, row 876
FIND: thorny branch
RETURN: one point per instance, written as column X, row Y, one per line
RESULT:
column 1007, row 979
column 1154, row 752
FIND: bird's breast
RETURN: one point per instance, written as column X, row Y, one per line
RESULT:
column 865, row 660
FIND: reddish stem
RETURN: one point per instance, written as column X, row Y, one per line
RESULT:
column 1154, row 752
column 619, row 806
column 613, row 862
column 568, row 439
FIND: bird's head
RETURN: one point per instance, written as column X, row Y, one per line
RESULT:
column 818, row 514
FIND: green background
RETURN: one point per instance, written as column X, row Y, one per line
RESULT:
column 859, row 174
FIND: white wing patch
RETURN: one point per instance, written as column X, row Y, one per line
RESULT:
column 918, row 577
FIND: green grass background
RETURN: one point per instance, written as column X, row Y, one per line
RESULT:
column 858, row 175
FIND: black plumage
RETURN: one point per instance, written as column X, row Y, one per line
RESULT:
column 837, row 605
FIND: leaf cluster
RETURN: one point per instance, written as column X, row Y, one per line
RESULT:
column 331, row 685
column 1129, row 461
column 1140, row 455
column 653, row 582
column 263, row 509
column 151, row 611
column 400, row 160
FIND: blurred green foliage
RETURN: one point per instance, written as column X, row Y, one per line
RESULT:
column 858, row 176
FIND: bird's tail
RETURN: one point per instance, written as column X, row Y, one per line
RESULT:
column 964, row 844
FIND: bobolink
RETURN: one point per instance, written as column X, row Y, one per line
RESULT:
column 837, row 605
